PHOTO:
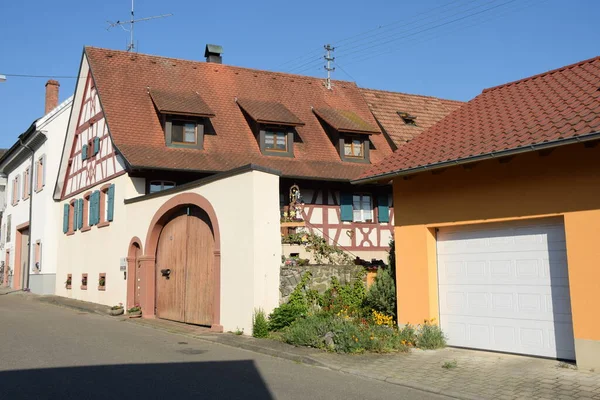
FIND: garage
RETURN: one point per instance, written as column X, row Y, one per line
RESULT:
column 505, row 287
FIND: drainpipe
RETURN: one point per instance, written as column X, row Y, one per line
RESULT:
column 31, row 191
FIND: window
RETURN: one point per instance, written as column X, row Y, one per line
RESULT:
column 26, row 184
column 362, row 208
column 8, row 228
column 354, row 147
column 275, row 141
column 85, row 212
column 407, row 118
column 16, row 189
column 84, row 281
column 69, row 281
column 102, row 281
column 107, row 202
column 184, row 132
column 158, row 186
column 40, row 173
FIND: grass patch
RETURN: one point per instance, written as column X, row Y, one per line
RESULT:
column 450, row 364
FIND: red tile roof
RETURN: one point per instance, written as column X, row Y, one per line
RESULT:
column 188, row 103
column 266, row 112
column 122, row 80
column 556, row 105
column 345, row 121
column 428, row 110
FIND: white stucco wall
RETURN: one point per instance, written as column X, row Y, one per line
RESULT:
column 98, row 250
column 44, row 216
column 247, row 210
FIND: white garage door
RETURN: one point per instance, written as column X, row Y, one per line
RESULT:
column 505, row 287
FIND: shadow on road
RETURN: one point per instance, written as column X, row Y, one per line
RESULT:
column 193, row 380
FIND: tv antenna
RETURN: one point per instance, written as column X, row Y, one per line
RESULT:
column 131, row 22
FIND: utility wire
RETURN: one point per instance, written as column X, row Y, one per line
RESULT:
column 419, row 28
column 365, row 55
column 44, row 76
column 338, row 43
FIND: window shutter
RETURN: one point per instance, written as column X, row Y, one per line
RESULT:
column 43, row 170
column 80, row 215
column 383, row 208
column 96, row 207
column 110, row 207
column 75, row 214
column 84, row 151
column 96, row 145
column 91, row 210
column 346, row 206
column 65, row 218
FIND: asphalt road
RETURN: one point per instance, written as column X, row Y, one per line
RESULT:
column 48, row 352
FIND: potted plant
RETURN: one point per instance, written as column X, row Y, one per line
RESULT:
column 135, row 311
column 68, row 282
column 102, row 283
column 116, row 310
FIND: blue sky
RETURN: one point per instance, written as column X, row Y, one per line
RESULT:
column 446, row 48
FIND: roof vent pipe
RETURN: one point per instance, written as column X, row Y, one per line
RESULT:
column 213, row 53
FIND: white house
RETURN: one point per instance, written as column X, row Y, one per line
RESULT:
column 30, row 167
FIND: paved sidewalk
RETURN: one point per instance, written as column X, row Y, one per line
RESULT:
column 475, row 374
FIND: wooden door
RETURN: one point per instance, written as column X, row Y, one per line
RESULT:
column 171, row 257
column 200, row 255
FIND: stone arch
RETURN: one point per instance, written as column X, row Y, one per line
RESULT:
column 161, row 217
column 134, row 252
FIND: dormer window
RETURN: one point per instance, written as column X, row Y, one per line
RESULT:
column 184, row 132
column 349, row 132
column 273, row 124
column 184, row 116
column 407, row 118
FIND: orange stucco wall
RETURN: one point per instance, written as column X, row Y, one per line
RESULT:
column 564, row 183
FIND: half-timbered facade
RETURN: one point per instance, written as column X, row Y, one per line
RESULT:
column 167, row 163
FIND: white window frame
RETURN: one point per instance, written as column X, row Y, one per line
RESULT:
column 362, row 207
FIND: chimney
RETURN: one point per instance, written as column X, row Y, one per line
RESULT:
column 51, row 95
column 213, row 53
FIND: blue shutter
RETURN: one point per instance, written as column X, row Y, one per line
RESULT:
column 96, row 145
column 110, row 207
column 383, row 209
column 65, row 218
column 96, row 207
column 84, row 152
column 92, row 209
column 75, row 215
column 80, row 215
column 346, row 206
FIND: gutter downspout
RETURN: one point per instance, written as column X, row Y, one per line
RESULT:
column 31, row 191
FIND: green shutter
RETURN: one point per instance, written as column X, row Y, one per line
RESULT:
column 93, row 209
column 111, row 203
column 383, row 209
column 346, row 206
column 75, row 214
column 96, row 145
column 84, row 152
column 65, row 218
column 80, row 215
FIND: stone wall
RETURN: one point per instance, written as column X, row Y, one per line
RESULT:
column 321, row 277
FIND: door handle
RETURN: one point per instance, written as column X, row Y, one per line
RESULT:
column 165, row 272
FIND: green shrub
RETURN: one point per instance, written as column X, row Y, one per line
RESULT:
column 408, row 334
column 382, row 294
column 285, row 314
column 309, row 331
column 430, row 336
column 348, row 335
column 348, row 298
column 260, row 326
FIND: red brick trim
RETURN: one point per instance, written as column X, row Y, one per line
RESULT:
column 161, row 217
column 132, row 261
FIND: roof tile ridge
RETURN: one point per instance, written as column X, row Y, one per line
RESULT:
column 542, row 74
column 410, row 94
column 248, row 69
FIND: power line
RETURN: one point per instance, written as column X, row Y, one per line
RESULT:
column 424, row 30
column 382, row 29
column 44, row 76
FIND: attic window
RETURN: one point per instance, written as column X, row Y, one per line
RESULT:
column 276, row 140
column 407, row 118
column 184, row 132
